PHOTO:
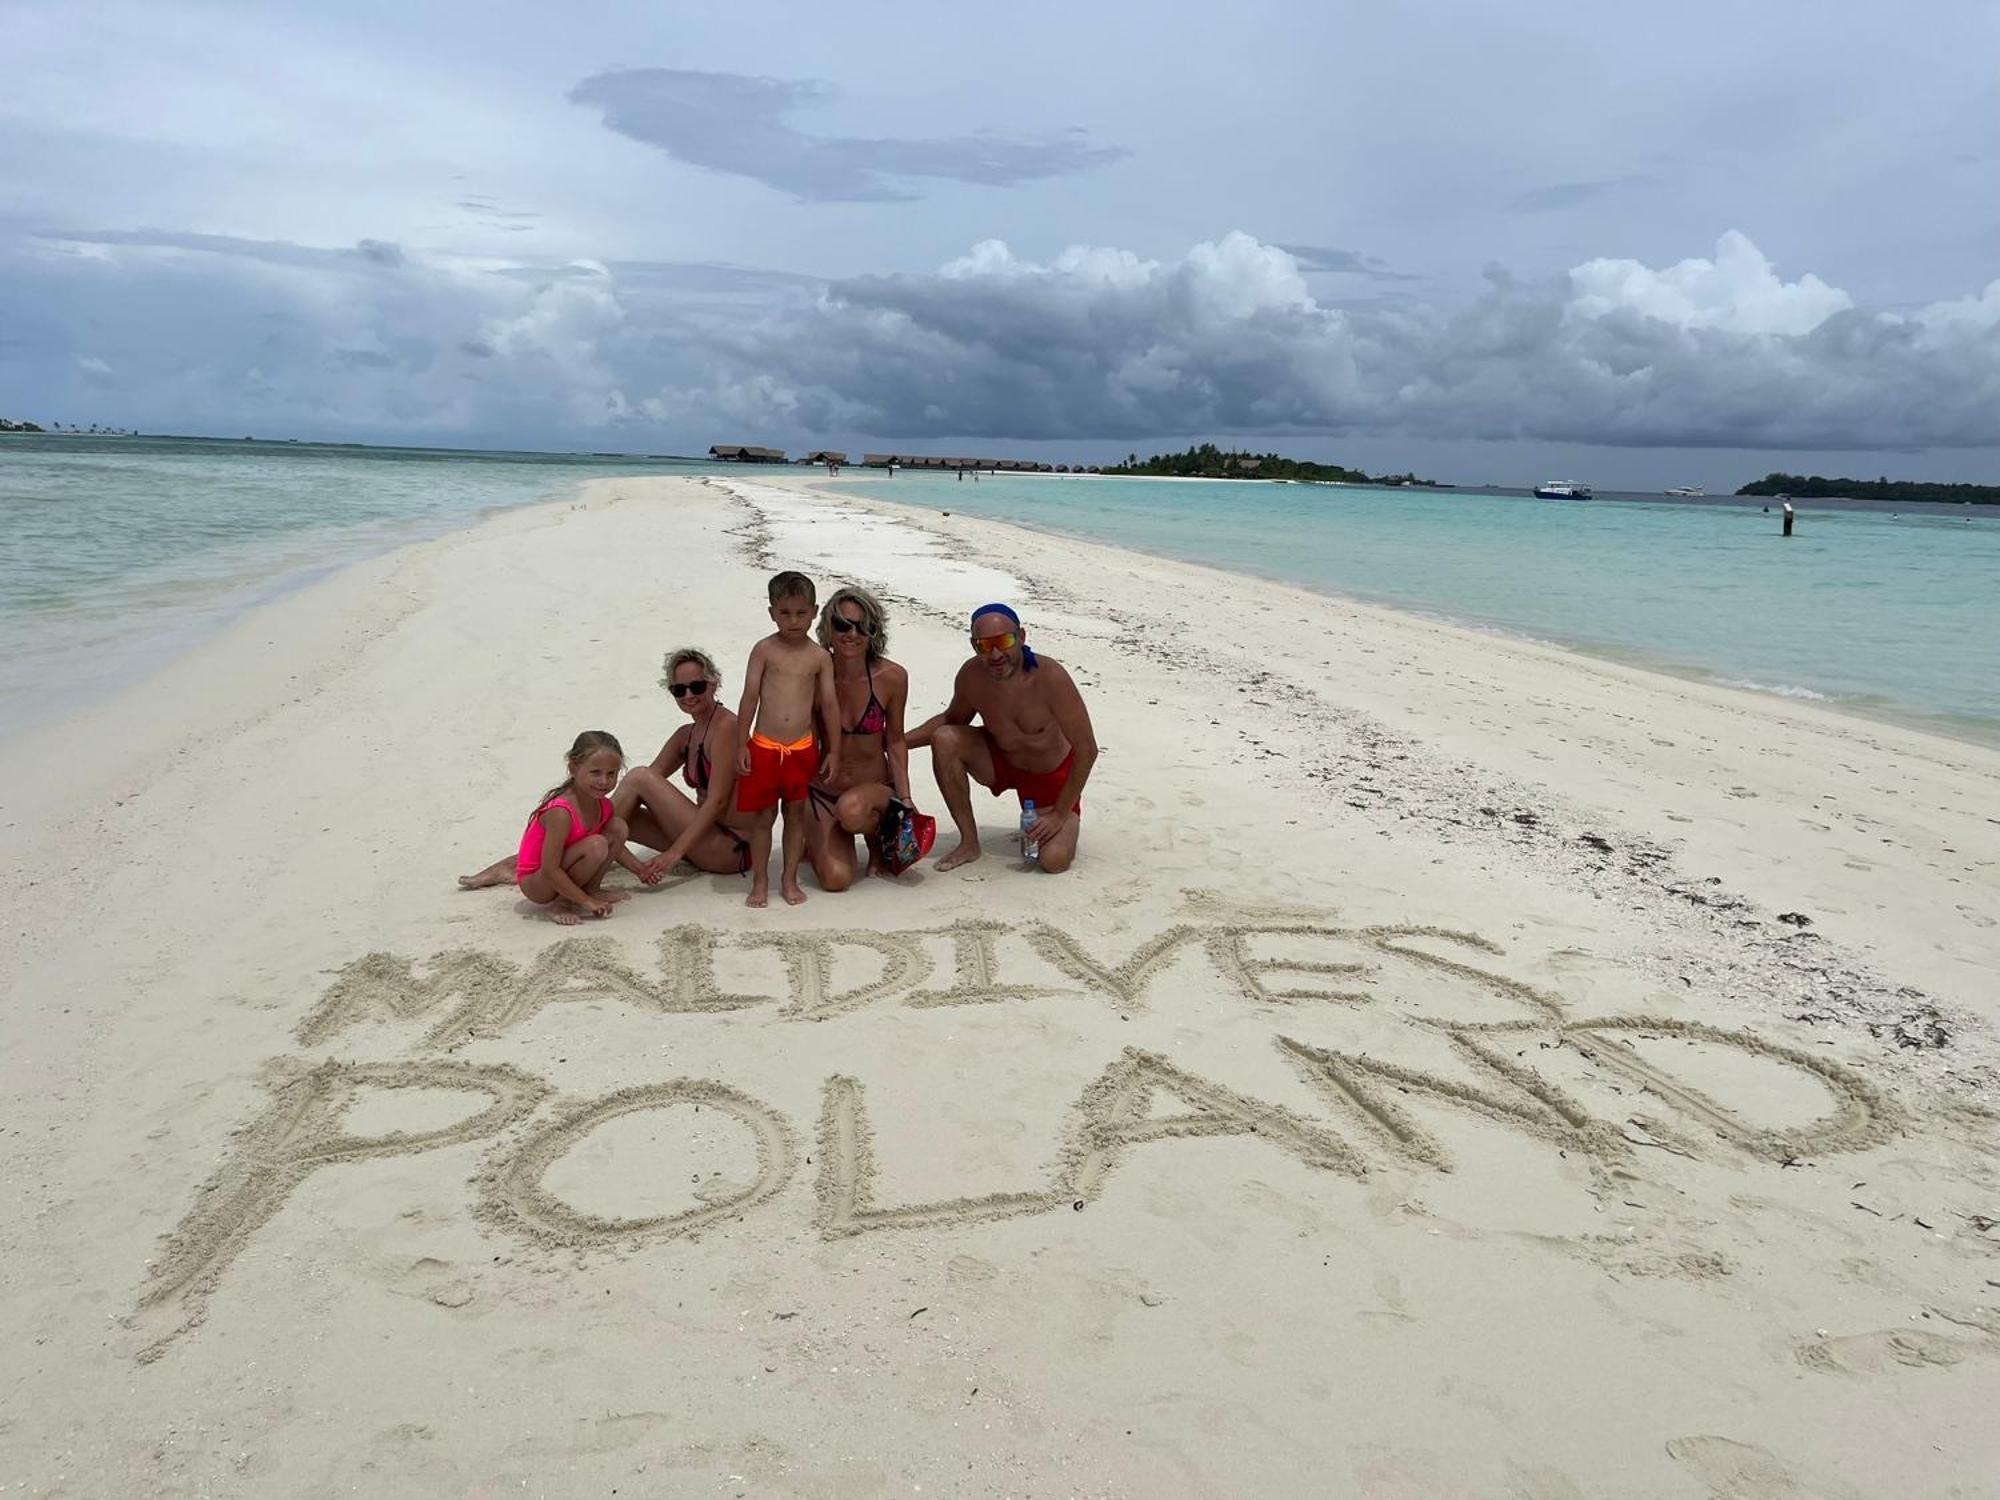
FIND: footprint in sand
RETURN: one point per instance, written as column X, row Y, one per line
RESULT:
column 965, row 1270
column 1743, row 1471
column 1866, row 1353
column 429, row 1279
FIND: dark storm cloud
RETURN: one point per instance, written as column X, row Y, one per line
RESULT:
column 272, row 252
column 1321, row 258
column 1705, row 354
column 1095, row 344
column 1562, row 195
column 728, row 122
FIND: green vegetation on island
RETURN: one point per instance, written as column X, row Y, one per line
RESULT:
column 1206, row 461
column 1812, row 486
column 7, row 426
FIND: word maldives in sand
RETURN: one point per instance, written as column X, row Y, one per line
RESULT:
column 467, row 995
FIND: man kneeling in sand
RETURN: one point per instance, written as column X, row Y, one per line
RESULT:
column 1034, row 738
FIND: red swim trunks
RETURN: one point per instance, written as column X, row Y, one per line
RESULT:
column 778, row 773
column 1043, row 788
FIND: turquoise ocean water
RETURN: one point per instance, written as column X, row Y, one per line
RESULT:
column 1890, row 611
column 117, row 553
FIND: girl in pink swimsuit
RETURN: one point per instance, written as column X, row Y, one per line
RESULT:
column 573, row 837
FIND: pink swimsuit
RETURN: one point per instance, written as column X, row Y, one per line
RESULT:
column 530, row 858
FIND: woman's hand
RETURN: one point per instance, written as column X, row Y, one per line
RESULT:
column 656, row 868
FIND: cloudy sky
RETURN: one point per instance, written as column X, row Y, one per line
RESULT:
column 1489, row 241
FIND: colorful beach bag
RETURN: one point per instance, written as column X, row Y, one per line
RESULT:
column 906, row 836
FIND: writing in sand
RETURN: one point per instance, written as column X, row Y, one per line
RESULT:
column 1417, row 986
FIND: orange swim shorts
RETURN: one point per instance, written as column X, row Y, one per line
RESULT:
column 778, row 773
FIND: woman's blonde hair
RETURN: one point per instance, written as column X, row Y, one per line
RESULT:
column 678, row 659
column 871, row 616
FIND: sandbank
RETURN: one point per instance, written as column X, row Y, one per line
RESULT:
column 1454, row 1066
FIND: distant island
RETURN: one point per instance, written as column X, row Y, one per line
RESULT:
column 56, row 429
column 1812, row 486
column 1207, row 461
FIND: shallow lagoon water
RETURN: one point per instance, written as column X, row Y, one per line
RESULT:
column 117, row 553
column 1881, row 610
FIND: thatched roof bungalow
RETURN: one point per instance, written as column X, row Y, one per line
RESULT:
column 824, row 456
column 739, row 453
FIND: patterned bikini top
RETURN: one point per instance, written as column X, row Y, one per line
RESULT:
column 874, row 718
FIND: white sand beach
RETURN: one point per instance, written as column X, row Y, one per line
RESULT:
column 1454, row 1066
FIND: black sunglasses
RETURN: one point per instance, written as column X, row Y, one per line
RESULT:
column 841, row 625
column 681, row 689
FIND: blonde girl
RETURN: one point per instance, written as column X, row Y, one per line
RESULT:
column 574, row 835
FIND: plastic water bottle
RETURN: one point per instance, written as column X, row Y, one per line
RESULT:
column 1028, row 851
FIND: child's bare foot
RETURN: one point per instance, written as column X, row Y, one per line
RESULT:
column 760, row 895
column 565, row 915
column 964, row 854
column 498, row 873
column 794, row 893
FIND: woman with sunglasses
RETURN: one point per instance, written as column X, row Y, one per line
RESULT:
column 701, row 830
column 874, row 761
column 658, row 814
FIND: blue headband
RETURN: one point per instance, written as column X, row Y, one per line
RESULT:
column 1027, row 653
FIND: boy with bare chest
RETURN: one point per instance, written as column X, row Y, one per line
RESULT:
column 788, row 677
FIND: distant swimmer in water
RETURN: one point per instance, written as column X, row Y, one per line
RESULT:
column 1033, row 738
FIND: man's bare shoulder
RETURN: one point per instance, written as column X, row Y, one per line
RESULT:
column 1050, row 675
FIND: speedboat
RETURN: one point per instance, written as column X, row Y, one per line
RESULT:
column 1562, row 489
column 1687, row 492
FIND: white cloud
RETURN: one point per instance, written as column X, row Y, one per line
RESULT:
column 1737, row 292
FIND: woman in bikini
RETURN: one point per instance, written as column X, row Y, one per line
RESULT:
column 658, row 814
column 874, row 761
column 701, row 830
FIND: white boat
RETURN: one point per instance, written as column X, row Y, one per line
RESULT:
column 1562, row 489
column 1687, row 492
